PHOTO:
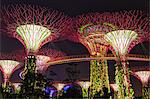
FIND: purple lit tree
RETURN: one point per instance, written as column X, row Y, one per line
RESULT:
column 90, row 30
column 33, row 26
column 130, row 29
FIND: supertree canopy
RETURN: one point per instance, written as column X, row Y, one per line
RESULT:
column 34, row 26
column 114, row 87
column 17, row 87
column 9, row 62
column 131, row 28
column 121, row 39
column 90, row 30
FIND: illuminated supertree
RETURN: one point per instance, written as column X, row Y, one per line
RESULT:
column 85, row 86
column 89, row 30
column 8, row 64
column 33, row 26
column 143, row 76
column 130, row 29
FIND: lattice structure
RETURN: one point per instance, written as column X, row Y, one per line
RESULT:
column 34, row 26
column 59, row 87
column 114, row 87
column 90, row 30
column 131, row 28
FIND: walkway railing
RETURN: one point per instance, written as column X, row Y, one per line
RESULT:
column 80, row 58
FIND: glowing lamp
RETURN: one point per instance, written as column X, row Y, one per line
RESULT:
column 8, row 66
column 120, row 40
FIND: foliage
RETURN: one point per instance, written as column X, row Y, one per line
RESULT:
column 124, row 88
column 98, row 77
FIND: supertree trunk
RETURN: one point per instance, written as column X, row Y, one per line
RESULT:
column 119, row 78
column 94, row 77
column 98, row 73
column 123, row 80
column 29, row 77
column 90, row 30
column 98, row 77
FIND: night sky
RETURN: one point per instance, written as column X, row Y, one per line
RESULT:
column 73, row 8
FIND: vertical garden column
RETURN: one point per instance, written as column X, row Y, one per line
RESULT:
column 119, row 77
column 98, row 77
column 94, row 77
column 120, row 40
column 104, row 68
column 29, row 76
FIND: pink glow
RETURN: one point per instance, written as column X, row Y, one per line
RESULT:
column 53, row 54
column 47, row 55
column 21, row 16
column 41, row 62
column 96, row 23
